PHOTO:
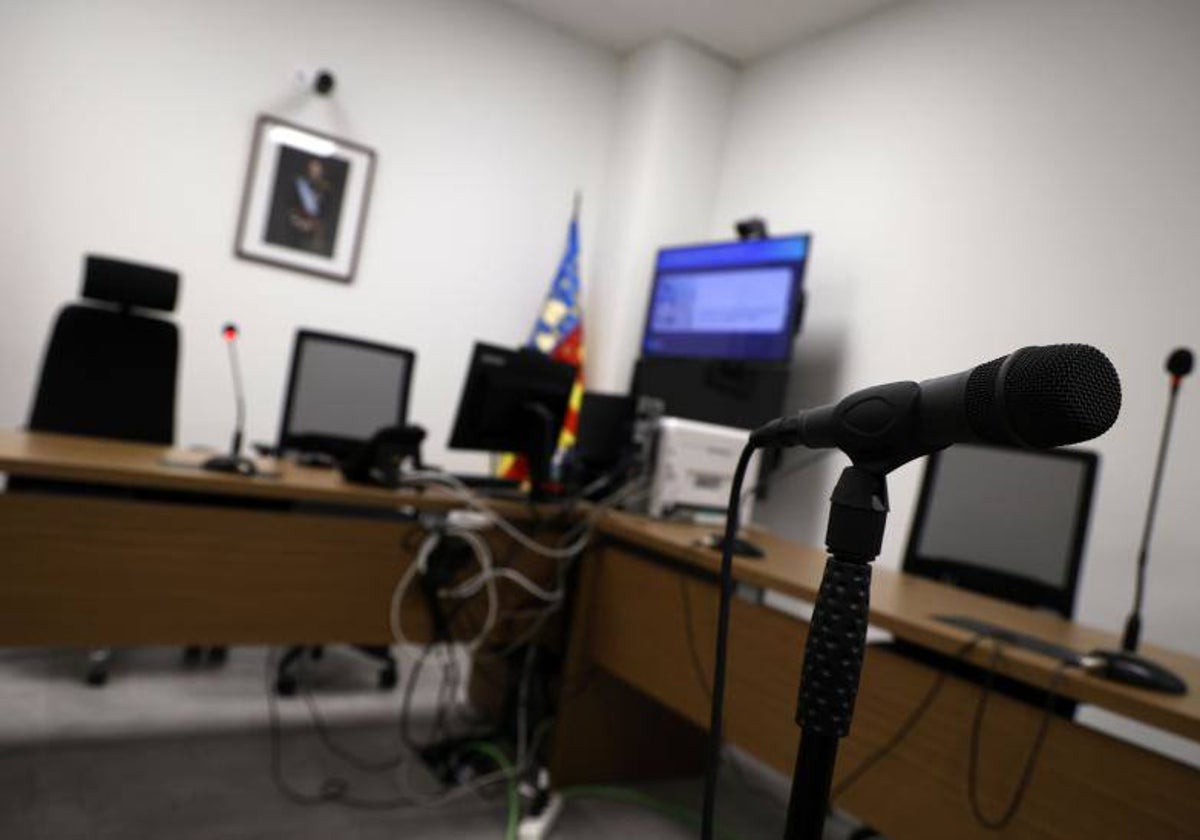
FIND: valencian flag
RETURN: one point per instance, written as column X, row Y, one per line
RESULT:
column 558, row 332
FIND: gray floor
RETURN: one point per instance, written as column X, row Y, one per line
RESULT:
column 167, row 753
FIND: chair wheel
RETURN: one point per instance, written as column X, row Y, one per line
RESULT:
column 218, row 655
column 192, row 655
column 285, row 685
column 97, row 677
column 387, row 678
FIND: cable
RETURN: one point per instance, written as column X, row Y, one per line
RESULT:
column 483, row 555
column 713, row 762
column 1014, row 804
column 473, row 585
column 514, row 804
column 457, row 489
column 675, row 812
column 791, row 469
column 690, row 631
column 335, row 790
column 905, row 728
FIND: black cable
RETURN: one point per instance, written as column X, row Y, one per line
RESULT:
column 713, row 764
column 693, row 649
column 905, row 728
column 791, row 469
column 1014, row 804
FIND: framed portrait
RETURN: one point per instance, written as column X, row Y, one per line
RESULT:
column 305, row 201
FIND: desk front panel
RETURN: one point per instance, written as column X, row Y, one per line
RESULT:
column 97, row 571
column 1086, row 784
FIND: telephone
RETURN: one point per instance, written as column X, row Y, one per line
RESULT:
column 382, row 459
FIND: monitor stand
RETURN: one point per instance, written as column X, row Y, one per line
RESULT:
column 539, row 450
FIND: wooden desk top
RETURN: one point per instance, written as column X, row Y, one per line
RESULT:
column 902, row 604
column 73, row 458
column 906, row 605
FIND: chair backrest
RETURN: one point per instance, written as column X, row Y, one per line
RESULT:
column 1005, row 522
column 108, row 371
column 341, row 391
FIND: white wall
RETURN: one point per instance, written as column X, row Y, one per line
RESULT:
column 669, row 136
column 980, row 176
column 126, row 132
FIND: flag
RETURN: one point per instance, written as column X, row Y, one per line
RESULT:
column 558, row 333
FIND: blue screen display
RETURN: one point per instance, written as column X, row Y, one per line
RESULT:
column 734, row 300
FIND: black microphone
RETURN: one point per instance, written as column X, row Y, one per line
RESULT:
column 1038, row 397
column 234, row 462
column 1125, row 665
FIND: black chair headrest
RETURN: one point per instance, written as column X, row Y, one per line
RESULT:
column 129, row 284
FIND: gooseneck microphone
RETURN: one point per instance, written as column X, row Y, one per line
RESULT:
column 234, row 462
column 1038, row 397
column 1124, row 665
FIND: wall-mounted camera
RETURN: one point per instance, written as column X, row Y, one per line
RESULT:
column 320, row 81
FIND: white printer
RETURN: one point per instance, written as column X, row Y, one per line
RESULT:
column 691, row 470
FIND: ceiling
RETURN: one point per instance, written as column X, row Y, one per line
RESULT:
column 742, row 30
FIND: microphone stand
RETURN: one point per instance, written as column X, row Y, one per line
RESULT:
column 1125, row 665
column 234, row 462
column 837, row 636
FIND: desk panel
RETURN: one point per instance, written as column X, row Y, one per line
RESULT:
column 91, row 571
column 1085, row 784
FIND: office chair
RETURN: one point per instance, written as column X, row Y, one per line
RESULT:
column 340, row 392
column 109, row 371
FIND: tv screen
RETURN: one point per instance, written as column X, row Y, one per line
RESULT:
column 728, row 300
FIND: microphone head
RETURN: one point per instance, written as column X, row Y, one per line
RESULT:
column 1179, row 363
column 1044, row 396
column 229, row 332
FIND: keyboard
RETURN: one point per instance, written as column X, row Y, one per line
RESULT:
column 1012, row 637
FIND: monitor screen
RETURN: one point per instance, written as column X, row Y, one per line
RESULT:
column 1009, row 511
column 729, row 300
column 345, row 389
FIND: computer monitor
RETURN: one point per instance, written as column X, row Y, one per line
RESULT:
column 513, row 401
column 1005, row 522
column 727, row 300
column 341, row 391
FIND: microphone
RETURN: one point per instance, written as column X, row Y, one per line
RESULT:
column 1036, row 397
column 234, row 462
column 1125, row 665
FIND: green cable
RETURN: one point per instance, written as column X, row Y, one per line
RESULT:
column 514, row 806
column 679, row 813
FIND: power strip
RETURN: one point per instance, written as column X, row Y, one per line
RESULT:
column 539, row 827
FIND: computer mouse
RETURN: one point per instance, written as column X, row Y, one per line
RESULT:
column 1131, row 669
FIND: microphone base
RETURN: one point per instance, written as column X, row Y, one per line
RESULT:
column 1131, row 669
column 235, row 464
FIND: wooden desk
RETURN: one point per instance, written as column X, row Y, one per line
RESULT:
column 117, row 571
column 647, row 581
column 248, row 560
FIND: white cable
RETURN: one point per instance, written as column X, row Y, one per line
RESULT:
column 483, row 555
column 470, row 587
column 463, row 493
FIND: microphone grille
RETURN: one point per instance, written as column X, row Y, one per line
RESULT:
column 1179, row 363
column 1053, row 396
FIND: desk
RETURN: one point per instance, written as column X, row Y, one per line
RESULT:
column 646, row 579
column 249, row 560
column 128, row 571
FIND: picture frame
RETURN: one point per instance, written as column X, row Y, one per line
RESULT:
column 305, row 200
